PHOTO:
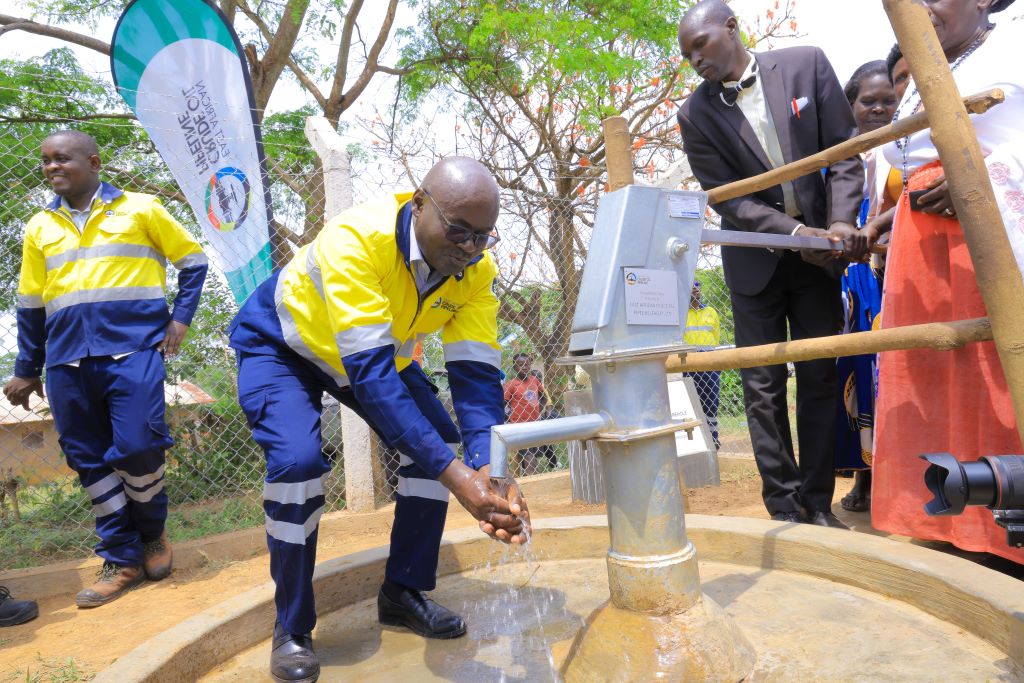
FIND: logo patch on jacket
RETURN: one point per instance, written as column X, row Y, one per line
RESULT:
column 445, row 305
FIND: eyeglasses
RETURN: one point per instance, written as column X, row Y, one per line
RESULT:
column 460, row 234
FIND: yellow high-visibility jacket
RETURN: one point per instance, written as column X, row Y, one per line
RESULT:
column 348, row 305
column 703, row 328
column 102, row 291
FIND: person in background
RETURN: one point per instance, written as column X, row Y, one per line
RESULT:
column 753, row 113
column 704, row 331
column 885, row 183
column 873, row 99
column 525, row 399
column 948, row 401
column 92, row 311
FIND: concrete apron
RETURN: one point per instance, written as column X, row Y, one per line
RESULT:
column 980, row 601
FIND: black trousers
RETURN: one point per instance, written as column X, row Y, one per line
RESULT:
column 807, row 299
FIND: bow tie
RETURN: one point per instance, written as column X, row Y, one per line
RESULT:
column 730, row 94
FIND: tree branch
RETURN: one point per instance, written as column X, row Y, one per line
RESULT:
column 268, row 70
column 10, row 23
column 341, row 65
column 146, row 185
column 268, row 35
column 339, row 105
column 58, row 119
column 394, row 71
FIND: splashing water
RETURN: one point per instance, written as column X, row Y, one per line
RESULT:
column 525, row 618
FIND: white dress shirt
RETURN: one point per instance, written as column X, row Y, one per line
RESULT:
column 80, row 217
column 754, row 106
column 421, row 272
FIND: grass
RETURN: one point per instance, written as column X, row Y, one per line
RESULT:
column 198, row 520
column 36, row 542
column 51, row 671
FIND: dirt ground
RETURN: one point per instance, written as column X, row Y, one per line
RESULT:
column 68, row 644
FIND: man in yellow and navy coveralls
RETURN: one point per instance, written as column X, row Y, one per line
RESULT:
column 92, row 311
column 343, row 317
column 704, row 331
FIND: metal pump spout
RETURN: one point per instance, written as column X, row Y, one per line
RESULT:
column 511, row 437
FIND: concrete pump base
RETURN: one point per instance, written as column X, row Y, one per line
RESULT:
column 814, row 603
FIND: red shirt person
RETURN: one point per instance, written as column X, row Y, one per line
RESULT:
column 524, row 392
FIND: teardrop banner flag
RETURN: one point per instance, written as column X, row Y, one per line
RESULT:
column 180, row 67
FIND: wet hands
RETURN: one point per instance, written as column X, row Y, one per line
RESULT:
column 502, row 514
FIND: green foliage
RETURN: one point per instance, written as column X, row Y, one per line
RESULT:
column 714, row 292
column 37, row 97
column 730, row 394
column 56, row 524
column 587, row 54
column 51, row 670
column 285, row 141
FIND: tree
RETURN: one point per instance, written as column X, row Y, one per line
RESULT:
column 532, row 80
column 281, row 38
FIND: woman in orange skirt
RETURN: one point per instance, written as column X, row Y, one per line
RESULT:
column 947, row 401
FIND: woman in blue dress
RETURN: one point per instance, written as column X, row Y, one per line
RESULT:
column 873, row 100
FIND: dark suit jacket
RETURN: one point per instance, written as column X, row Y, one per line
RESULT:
column 721, row 147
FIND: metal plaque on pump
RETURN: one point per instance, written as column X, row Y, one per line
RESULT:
column 636, row 283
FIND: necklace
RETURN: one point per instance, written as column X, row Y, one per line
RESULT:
column 903, row 143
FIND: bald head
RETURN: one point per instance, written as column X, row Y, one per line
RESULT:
column 77, row 140
column 464, row 197
column 715, row 11
column 709, row 38
column 459, row 181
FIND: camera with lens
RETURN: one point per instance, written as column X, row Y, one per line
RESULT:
column 995, row 481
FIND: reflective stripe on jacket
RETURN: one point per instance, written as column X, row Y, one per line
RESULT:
column 102, row 291
column 702, row 328
column 348, row 305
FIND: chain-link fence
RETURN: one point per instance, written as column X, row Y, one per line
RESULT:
column 214, row 472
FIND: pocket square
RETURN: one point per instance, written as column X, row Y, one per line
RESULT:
column 796, row 105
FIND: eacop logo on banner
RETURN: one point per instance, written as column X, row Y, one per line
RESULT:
column 180, row 67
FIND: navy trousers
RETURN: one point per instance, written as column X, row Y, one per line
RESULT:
column 707, row 385
column 109, row 416
column 281, row 397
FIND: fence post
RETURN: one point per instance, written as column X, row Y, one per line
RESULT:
column 999, row 278
column 359, row 443
column 618, row 157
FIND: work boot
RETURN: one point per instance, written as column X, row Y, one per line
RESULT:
column 292, row 659
column 113, row 581
column 402, row 606
column 156, row 558
column 14, row 612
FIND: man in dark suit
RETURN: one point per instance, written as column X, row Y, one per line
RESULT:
column 752, row 113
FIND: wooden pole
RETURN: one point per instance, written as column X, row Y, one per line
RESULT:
column 617, row 152
column 938, row 336
column 999, row 278
column 976, row 104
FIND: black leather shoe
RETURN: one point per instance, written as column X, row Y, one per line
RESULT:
column 401, row 606
column 826, row 518
column 792, row 516
column 292, row 659
column 14, row 612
